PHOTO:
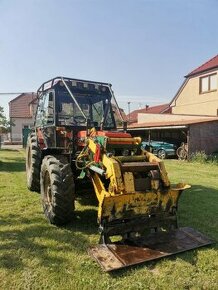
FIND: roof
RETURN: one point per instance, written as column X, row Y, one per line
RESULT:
column 19, row 107
column 172, row 123
column 210, row 64
column 34, row 100
column 160, row 109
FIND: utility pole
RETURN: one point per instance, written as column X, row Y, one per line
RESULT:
column 129, row 110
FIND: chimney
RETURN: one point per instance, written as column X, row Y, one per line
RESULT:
column 146, row 107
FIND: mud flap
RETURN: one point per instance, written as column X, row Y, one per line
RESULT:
column 157, row 245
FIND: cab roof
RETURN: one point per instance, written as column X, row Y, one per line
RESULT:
column 74, row 82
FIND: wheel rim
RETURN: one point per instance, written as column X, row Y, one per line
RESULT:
column 161, row 154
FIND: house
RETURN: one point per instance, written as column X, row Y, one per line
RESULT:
column 191, row 117
column 21, row 114
column 160, row 109
column 198, row 95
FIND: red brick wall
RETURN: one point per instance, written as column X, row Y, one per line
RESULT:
column 20, row 106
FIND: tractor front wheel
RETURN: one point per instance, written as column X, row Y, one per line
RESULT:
column 57, row 189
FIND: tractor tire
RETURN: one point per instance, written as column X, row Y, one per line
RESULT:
column 33, row 163
column 57, row 189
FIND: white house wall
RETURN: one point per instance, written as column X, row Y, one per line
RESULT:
column 16, row 131
column 151, row 118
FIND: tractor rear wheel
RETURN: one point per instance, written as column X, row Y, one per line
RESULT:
column 57, row 189
column 33, row 163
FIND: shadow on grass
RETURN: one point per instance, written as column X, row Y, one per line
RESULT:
column 87, row 198
column 42, row 242
column 85, row 193
column 83, row 221
column 12, row 164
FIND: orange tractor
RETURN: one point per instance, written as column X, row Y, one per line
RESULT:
column 75, row 136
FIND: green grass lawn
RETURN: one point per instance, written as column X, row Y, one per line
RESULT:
column 37, row 255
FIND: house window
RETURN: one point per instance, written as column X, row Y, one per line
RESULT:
column 208, row 83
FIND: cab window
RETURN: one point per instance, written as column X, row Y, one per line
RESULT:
column 45, row 110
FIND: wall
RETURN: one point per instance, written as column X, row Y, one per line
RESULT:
column 191, row 102
column 16, row 131
column 203, row 137
column 20, row 106
column 146, row 118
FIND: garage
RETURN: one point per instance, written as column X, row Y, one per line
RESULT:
column 199, row 134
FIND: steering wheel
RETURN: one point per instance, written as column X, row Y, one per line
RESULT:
column 79, row 119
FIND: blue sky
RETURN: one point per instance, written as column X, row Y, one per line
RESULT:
column 143, row 47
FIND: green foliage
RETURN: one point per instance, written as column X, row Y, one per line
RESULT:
column 199, row 156
column 4, row 123
column 37, row 255
column 202, row 157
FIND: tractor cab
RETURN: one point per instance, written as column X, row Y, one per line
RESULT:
column 68, row 106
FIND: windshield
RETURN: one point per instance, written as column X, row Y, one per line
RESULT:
column 97, row 108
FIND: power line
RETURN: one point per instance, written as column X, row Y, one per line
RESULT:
column 18, row 93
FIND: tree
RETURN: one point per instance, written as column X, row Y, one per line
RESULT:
column 4, row 123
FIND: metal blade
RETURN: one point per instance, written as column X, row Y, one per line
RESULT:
column 157, row 245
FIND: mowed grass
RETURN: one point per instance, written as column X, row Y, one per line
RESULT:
column 37, row 255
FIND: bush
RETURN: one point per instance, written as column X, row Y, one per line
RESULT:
column 202, row 157
column 213, row 158
column 199, row 156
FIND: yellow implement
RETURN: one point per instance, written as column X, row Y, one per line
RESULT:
column 137, row 208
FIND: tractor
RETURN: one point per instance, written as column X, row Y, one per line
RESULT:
column 79, row 133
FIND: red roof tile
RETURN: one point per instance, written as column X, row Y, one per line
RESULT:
column 160, row 109
column 210, row 64
column 20, row 106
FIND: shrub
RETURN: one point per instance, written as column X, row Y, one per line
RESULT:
column 202, row 157
column 199, row 156
column 213, row 158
